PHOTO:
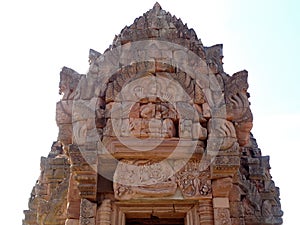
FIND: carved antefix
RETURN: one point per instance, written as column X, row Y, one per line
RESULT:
column 155, row 133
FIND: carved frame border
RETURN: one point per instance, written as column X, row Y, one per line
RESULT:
column 169, row 209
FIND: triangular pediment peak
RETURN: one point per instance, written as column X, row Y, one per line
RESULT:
column 158, row 24
column 156, row 8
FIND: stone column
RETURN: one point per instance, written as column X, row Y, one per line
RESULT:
column 192, row 217
column 104, row 213
column 206, row 212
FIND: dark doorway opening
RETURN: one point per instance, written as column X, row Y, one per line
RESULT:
column 154, row 221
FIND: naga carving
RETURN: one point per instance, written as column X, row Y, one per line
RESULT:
column 69, row 80
column 214, row 55
column 237, row 105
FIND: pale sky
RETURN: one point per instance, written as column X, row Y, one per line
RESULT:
column 39, row 37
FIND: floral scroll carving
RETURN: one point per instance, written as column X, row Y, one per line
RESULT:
column 194, row 180
column 140, row 178
column 146, row 178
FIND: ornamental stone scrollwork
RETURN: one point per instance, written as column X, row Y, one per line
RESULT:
column 194, row 180
column 87, row 212
column 146, row 178
column 237, row 96
column 153, row 109
column 238, row 106
column 222, row 216
column 143, row 178
column 222, row 130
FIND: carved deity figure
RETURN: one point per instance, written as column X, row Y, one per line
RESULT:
column 154, row 119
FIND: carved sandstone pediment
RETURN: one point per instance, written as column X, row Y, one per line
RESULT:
column 155, row 132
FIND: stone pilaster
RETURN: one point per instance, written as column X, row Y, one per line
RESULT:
column 206, row 212
column 220, row 189
column 104, row 213
column 87, row 212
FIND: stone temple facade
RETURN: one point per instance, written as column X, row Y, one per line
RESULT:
column 155, row 133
